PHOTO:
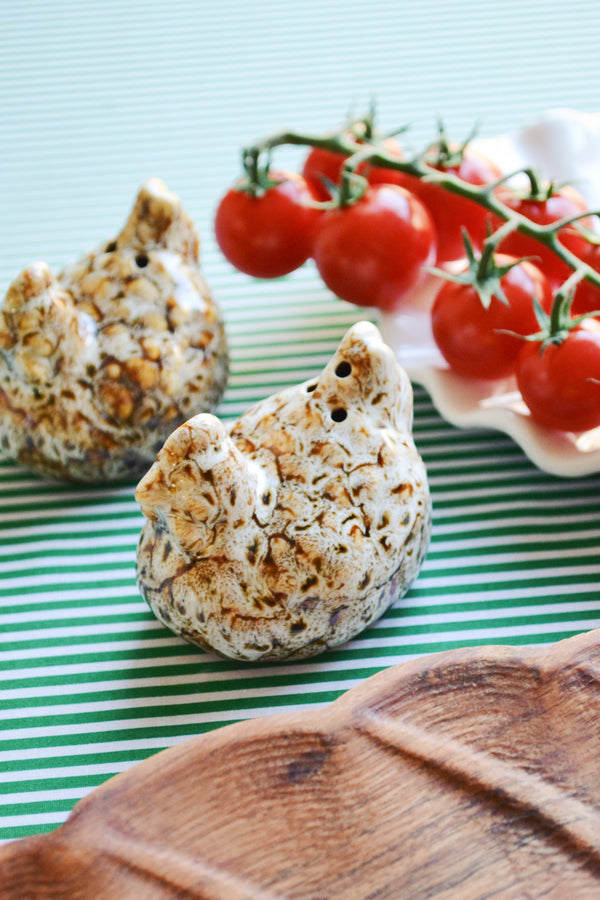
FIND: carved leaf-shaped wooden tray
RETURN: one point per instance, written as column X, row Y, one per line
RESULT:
column 467, row 774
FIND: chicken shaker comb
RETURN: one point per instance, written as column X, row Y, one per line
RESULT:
column 100, row 364
column 295, row 528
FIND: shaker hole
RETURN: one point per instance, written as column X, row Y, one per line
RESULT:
column 343, row 369
column 338, row 415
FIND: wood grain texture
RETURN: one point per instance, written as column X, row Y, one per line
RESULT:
column 468, row 774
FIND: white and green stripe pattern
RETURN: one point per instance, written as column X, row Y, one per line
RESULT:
column 96, row 97
column 91, row 683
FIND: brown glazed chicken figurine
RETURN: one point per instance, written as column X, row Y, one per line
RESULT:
column 297, row 527
column 99, row 364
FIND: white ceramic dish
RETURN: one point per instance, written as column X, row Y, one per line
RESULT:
column 565, row 146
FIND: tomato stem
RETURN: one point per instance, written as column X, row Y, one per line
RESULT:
column 535, row 188
column 483, row 273
column 250, row 164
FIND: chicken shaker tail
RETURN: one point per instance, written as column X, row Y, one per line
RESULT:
column 293, row 529
column 100, row 363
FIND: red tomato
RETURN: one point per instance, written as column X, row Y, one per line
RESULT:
column 325, row 163
column 561, row 385
column 564, row 201
column 269, row 235
column 371, row 252
column 470, row 336
column 587, row 295
column 450, row 212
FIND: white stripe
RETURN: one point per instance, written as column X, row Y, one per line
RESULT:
column 270, row 355
column 44, row 732
column 44, row 690
column 492, row 506
column 52, row 545
column 59, row 772
column 97, row 647
column 292, row 329
column 487, row 466
column 523, row 521
column 198, row 659
column 63, row 562
column 477, row 616
column 138, row 745
column 464, row 545
column 491, row 594
column 10, row 482
column 69, row 634
column 232, row 410
column 472, row 477
column 137, row 704
column 59, row 494
column 60, row 578
column 482, row 634
column 505, row 488
column 77, row 594
column 69, row 528
column 68, row 612
column 486, row 449
column 295, row 332
column 513, row 557
column 32, row 819
column 317, row 303
column 102, row 509
column 562, row 576
column 236, row 387
column 48, row 795
column 260, row 367
column 469, row 487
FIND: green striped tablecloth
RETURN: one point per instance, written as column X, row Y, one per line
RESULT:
column 93, row 101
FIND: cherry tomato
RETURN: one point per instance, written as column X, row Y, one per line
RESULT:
column 380, row 174
column 269, row 235
column 587, row 295
column 564, row 201
column 561, row 385
column 470, row 335
column 371, row 252
column 450, row 212
column 321, row 164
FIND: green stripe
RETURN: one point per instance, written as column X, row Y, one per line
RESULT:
column 47, row 784
column 13, row 832
column 196, row 687
column 113, row 757
column 75, row 603
column 36, row 807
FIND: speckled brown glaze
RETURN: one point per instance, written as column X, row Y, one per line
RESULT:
column 100, row 364
column 297, row 527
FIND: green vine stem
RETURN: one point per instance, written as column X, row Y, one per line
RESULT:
column 351, row 143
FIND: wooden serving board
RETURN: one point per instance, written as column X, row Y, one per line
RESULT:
column 468, row 774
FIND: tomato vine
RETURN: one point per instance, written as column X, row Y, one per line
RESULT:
column 359, row 143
